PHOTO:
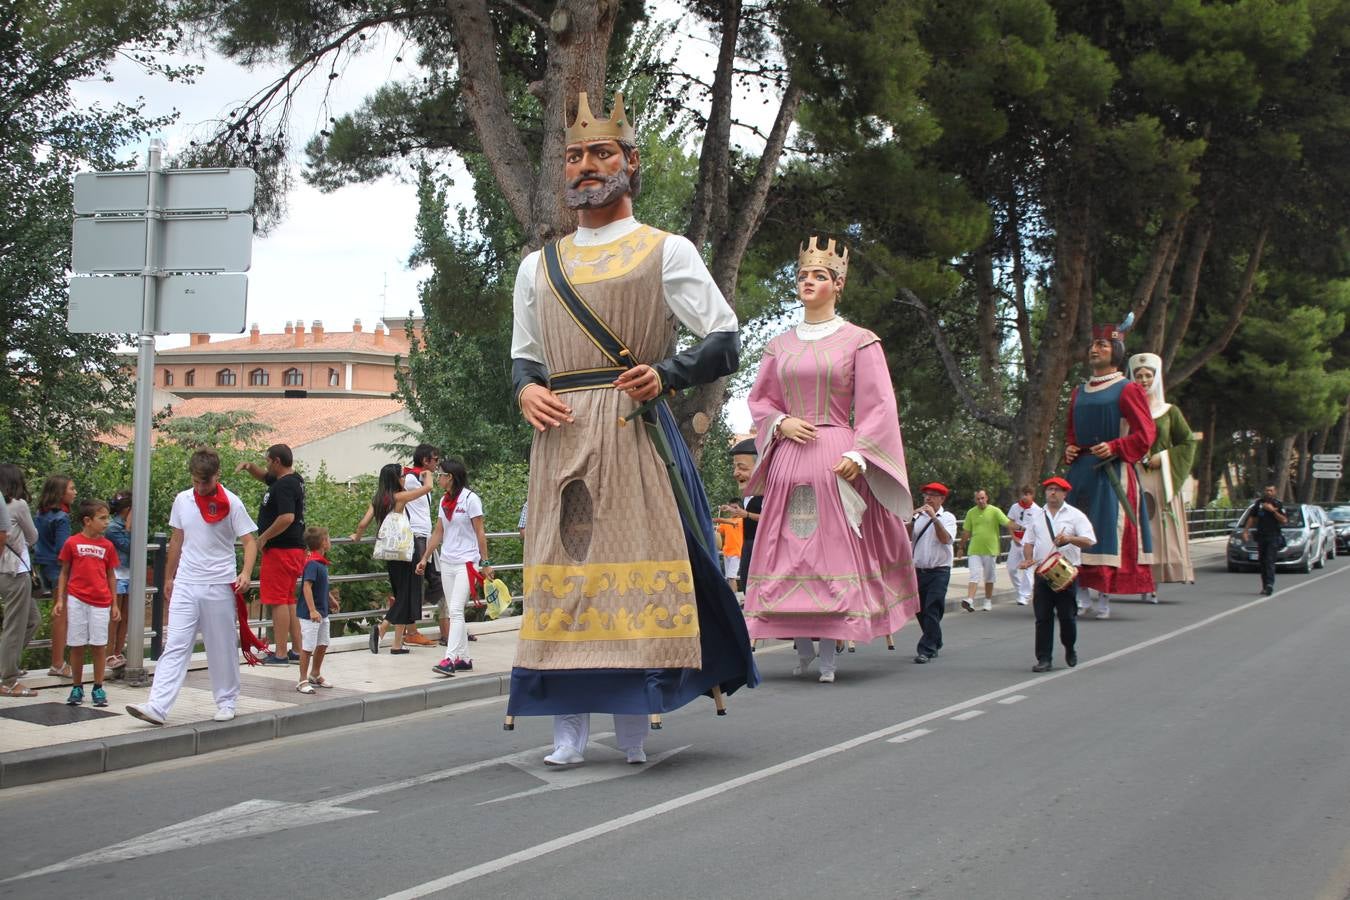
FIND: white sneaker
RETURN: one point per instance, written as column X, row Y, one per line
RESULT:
column 1153, row 598
column 142, row 712
column 305, row 687
column 1021, row 602
column 967, row 606
column 564, row 756
column 637, row 756
column 988, row 607
column 224, row 714
column 802, row 665
column 1103, row 614
column 827, row 678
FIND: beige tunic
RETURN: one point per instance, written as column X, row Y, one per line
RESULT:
column 607, row 577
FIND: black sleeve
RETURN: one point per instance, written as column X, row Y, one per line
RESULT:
column 525, row 372
column 716, row 355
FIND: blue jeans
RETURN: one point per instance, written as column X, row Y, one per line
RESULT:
column 932, row 604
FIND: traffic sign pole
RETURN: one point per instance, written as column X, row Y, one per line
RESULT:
column 145, row 389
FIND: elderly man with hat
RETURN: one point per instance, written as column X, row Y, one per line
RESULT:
column 932, row 530
column 1109, row 430
column 1062, row 529
column 626, row 611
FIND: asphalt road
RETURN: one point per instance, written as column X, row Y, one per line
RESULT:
column 1199, row 750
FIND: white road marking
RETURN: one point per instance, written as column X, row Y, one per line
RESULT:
column 909, row 736
column 258, row 817
column 1015, row 698
column 968, row 715
column 718, row 790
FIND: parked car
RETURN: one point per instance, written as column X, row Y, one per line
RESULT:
column 1309, row 541
column 1340, row 520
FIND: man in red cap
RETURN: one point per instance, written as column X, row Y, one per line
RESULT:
column 1063, row 529
column 1109, row 430
column 932, row 530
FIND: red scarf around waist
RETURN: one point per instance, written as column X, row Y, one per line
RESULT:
column 213, row 507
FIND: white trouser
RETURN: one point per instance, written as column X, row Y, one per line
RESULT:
column 1087, row 599
column 208, row 608
column 573, row 730
column 805, row 651
column 1023, row 579
column 455, row 581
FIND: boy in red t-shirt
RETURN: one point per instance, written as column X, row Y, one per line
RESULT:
column 88, row 561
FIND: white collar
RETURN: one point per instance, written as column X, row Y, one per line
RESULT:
column 814, row 331
column 589, row 237
column 1097, row 382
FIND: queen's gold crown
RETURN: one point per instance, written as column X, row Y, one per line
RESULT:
column 832, row 256
column 589, row 127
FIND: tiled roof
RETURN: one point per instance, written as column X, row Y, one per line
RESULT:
column 290, row 420
column 362, row 341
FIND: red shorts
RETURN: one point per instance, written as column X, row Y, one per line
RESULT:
column 281, row 569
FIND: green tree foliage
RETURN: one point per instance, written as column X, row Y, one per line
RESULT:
column 61, row 389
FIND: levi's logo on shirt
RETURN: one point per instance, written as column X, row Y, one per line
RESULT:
column 94, row 550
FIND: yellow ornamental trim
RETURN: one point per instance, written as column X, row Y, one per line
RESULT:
column 601, row 262
column 592, row 624
column 593, row 579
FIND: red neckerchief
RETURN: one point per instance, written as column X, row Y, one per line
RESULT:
column 317, row 557
column 214, row 507
column 413, row 470
column 448, row 505
column 476, row 582
column 1025, row 504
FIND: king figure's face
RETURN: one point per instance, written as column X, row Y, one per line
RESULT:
column 597, row 173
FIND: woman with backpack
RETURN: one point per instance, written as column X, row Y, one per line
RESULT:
column 388, row 507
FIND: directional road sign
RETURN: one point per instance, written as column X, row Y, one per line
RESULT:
column 219, row 242
column 1326, row 457
column 182, row 190
column 114, row 304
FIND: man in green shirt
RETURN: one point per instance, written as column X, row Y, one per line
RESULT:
column 982, row 530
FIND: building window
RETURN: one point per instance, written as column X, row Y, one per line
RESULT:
column 226, row 378
column 168, row 377
column 293, row 378
column 258, row 377
column 190, row 377
column 332, row 377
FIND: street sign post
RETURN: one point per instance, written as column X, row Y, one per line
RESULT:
column 157, row 252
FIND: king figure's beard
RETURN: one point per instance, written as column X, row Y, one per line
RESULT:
column 614, row 187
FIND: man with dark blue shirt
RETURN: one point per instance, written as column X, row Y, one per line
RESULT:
column 1268, row 514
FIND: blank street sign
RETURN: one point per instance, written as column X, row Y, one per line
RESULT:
column 204, row 243
column 182, row 190
column 1327, row 458
column 1324, row 466
column 187, row 303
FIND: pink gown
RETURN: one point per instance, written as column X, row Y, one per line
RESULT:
column 831, row 560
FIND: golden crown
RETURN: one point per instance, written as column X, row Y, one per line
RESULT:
column 589, row 127
column 832, row 256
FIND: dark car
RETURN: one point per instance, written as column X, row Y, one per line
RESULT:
column 1340, row 520
column 1308, row 542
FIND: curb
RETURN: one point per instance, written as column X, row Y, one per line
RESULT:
column 125, row 751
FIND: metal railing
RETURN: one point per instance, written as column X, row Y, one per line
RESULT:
column 159, row 560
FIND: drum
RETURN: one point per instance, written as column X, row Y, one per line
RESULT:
column 1057, row 571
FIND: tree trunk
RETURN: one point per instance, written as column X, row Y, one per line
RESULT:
column 1283, row 461
column 1159, row 305
column 1163, row 247
column 1204, row 488
column 1190, row 287
column 1342, row 444
column 991, row 335
column 1047, row 372
column 1304, row 468
column 1019, row 275
column 1235, row 313
column 714, row 163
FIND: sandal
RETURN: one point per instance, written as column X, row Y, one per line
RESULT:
column 305, row 687
column 16, row 690
column 319, row 682
column 63, row 672
column 116, row 661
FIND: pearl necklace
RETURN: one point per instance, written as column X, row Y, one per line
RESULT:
column 1099, row 380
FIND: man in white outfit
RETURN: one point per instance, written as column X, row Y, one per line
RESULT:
column 200, row 581
column 1020, row 515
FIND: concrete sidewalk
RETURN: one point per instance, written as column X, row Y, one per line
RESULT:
column 42, row 739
